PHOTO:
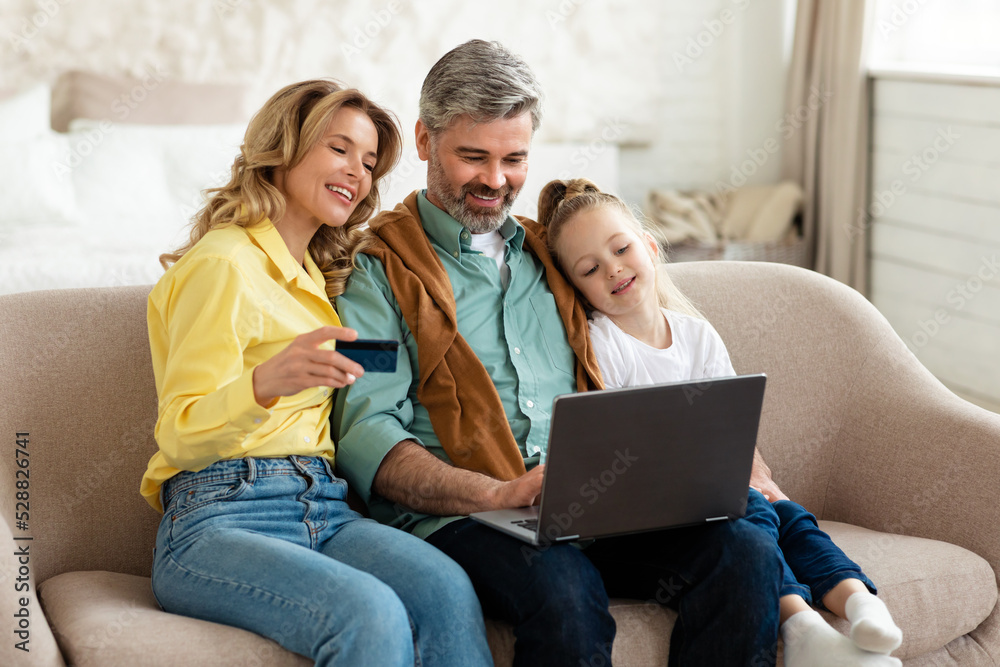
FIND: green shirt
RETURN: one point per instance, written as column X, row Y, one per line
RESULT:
column 515, row 331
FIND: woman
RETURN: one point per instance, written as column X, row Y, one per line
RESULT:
column 256, row 532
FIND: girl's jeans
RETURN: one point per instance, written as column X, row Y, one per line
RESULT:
column 813, row 563
column 270, row 545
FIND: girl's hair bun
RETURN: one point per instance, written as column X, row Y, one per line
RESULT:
column 556, row 193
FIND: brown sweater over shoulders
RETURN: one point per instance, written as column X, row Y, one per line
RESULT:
column 454, row 385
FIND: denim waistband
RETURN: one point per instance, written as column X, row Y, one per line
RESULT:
column 246, row 468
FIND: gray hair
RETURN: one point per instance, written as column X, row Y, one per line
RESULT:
column 482, row 80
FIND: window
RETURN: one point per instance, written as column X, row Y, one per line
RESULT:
column 957, row 36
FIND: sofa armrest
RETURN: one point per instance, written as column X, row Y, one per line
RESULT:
column 912, row 458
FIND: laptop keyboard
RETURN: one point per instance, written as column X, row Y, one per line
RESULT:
column 529, row 524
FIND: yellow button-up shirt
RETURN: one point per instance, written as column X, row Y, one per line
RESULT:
column 233, row 301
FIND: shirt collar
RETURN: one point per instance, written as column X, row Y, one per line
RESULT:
column 446, row 231
column 265, row 235
column 318, row 279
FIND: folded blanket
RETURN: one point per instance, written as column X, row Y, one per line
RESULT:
column 685, row 215
column 761, row 213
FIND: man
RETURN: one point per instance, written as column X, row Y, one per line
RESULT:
column 492, row 334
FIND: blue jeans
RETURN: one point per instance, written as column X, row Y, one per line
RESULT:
column 723, row 579
column 270, row 545
column 812, row 563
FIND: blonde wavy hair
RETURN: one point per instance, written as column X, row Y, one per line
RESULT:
column 559, row 201
column 277, row 139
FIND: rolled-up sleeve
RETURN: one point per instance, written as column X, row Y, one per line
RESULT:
column 375, row 413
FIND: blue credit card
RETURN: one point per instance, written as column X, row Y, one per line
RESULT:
column 375, row 356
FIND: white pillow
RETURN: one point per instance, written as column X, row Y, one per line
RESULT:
column 142, row 183
column 36, row 187
column 26, row 114
column 197, row 158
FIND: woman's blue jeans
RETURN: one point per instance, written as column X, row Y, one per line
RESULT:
column 812, row 563
column 270, row 545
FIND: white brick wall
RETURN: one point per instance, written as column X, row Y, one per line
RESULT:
column 721, row 76
column 609, row 67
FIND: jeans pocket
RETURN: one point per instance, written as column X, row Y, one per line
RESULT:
column 205, row 493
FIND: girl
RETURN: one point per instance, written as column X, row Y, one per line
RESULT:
column 645, row 331
column 256, row 532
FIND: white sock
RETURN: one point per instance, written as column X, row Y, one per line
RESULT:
column 811, row 642
column 872, row 627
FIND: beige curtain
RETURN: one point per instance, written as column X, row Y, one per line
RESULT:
column 827, row 152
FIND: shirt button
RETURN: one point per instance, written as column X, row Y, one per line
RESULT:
column 455, row 254
column 306, row 439
column 517, row 350
column 530, row 404
column 257, row 421
column 536, row 450
column 465, row 236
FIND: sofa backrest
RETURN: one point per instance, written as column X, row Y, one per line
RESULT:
column 814, row 338
column 75, row 373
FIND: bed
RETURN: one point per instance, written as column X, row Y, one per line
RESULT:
column 102, row 174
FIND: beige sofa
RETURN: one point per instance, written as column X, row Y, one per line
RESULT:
column 902, row 473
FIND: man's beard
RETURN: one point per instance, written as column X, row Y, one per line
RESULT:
column 478, row 220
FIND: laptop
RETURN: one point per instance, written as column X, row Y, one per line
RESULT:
column 643, row 458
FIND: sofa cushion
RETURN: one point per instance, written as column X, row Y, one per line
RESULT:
column 108, row 619
column 642, row 637
column 105, row 618
column 936, row 591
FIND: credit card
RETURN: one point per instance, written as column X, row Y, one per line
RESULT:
column 375, row 356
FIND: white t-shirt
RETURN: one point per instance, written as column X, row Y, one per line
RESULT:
column 492, row 244
column 696, row 352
